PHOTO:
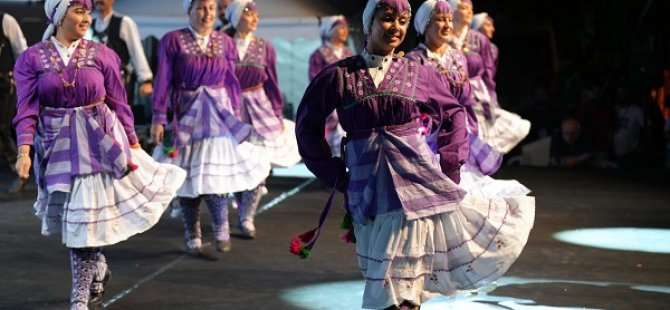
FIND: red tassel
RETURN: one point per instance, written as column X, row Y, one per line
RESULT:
column 349, row 236
column 302, row 244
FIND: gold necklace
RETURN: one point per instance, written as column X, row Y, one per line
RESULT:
column 59, row 70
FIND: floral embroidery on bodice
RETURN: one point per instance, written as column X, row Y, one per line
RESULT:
column 356, row 85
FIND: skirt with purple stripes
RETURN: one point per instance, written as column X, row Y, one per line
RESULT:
column 407, row 253
column 96, row 207
column 214, row 149
column 275, row 136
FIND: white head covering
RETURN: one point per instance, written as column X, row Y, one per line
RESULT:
column 425, row 13
column 55, row 10
column 235, row 10
column 328, row 23
column 186, row 4
column 371, row 7
column 478, row 20
column 368, row 12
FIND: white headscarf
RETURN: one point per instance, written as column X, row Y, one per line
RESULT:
column 371, row 7
column 55, row 10
column 327, row 24
column 425, row 13
column 186, row 4
column 478, row 20
column 235, row 10
column 368, row 14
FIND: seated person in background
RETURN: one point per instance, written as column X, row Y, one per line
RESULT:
column 569, row 148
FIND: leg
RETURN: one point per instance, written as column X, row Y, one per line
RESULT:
column 83, row 263
column 247, row 202
column 218, row 208
column 100, row 279
column 190, row 209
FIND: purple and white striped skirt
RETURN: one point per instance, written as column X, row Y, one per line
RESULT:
column 428, row 236
column 276, row 136
column 213, row 148
column 97, row 207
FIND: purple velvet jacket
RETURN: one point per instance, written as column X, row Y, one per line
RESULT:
column 184, row 66
column 407, row 90
column 323, row 57
column 259, row 66
column 94, row 68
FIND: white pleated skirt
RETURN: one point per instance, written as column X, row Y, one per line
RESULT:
column 218, row 165
column 443, row 254
column 504, row 132
column 100, row 210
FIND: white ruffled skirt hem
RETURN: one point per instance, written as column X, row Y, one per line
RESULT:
column 100, row 210
column 443, row 254
column 218, row 165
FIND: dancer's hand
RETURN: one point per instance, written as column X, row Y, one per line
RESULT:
column 157, row 133
column 23, row 162
column 146, row 89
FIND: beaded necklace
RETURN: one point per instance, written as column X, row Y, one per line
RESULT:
column 457, row 81
column 54, row 61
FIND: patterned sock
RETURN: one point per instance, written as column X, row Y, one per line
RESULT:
column 218, row 208
column 247, row 202
column 190, row 210
column 83, row 264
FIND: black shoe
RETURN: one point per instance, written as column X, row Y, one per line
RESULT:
column 96, row 297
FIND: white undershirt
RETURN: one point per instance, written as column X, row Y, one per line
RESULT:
column 242, row 45
column 377, row 66
column 338, row 51
column 65, row 52
column 202, row 40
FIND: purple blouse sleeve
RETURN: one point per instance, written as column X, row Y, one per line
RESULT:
column 452, row 137
column 271, row 85
column 115, row 93
column 488, row 62
column 316, row 64
column 163, row 87
column 313, row 110
column 28, row 106
column 232, row 83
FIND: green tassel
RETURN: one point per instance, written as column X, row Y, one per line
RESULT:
column 305, row 253
column 347, row 222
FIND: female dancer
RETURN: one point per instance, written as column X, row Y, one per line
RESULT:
column 95, row 184
column 195, row 80
column 417, row 232
column 499, row 128
column 262, row 103
column 433, row 22
column 334, row 33
column 483, row 23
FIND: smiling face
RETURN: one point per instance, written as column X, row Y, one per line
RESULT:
column 487, row 28
column 388, row 30
column 248, row 21
column 202, row 15
column 340, row 34
column 463, row 15
column 76, row 22
column 439, row 29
